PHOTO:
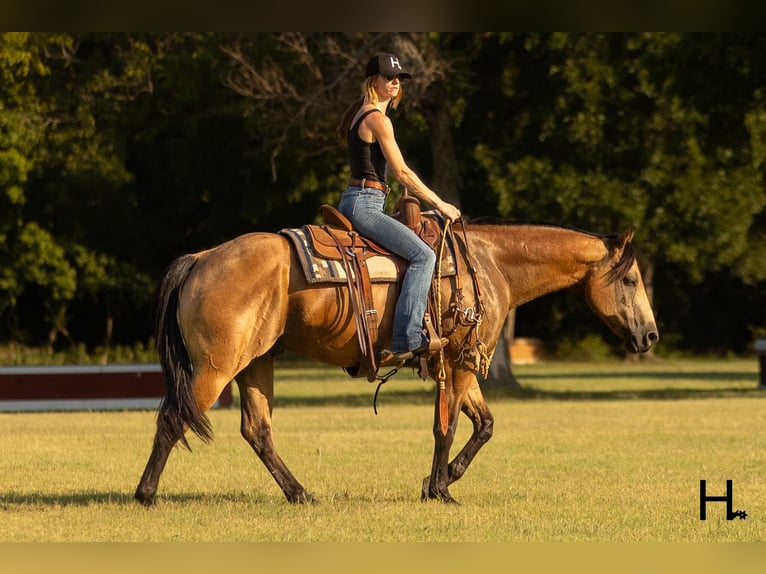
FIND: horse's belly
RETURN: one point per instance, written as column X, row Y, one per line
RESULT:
column 321, row 324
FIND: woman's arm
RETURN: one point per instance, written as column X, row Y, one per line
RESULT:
column 383, row 131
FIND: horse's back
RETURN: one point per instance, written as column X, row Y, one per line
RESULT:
column 244, row 247
column 250, row 293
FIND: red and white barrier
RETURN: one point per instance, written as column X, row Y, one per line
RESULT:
column 85, row 387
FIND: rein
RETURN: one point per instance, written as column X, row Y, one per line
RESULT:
column 442, row 375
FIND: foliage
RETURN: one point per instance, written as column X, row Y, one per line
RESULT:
column 18, row 355
column 120, row 151
column 617, row 129
column 587, row 348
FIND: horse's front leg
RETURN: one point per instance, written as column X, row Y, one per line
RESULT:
column 436, row 486
column 443, row 474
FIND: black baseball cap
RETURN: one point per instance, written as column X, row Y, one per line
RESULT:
column 386, row 65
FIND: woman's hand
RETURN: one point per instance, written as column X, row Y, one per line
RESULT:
column 449, row 211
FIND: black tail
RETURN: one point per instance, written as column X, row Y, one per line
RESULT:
column 178, row 408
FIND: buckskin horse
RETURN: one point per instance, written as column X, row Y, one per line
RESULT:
column 222, row 313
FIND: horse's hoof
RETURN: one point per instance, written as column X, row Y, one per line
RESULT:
column 444, row 498
column 301, row 498
column 425, row 490
column 428, row 494
column 146, row 501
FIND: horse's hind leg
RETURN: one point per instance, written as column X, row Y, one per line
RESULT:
column 256, row 386
column 207, row 385
column 147, row 487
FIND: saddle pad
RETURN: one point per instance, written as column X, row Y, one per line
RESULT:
column 318, row 270
column 382, row 268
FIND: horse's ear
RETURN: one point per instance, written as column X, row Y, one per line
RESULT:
column 625, row 237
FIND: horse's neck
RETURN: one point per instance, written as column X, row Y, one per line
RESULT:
column 536, row 260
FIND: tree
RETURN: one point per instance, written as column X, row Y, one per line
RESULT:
column 120, row 151
column 623, row 128
column 62, row 160
column 30, row 257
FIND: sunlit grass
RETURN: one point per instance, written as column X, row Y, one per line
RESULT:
column 585, row 452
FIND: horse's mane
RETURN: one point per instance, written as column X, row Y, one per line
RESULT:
column 612, row 240
column 493, row 220
column 628, row 257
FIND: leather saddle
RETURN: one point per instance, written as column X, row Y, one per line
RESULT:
column 337, row 233
column 337, row 240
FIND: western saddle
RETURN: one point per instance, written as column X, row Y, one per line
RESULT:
column 336, row 239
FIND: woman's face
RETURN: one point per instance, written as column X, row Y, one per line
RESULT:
column 388, row 86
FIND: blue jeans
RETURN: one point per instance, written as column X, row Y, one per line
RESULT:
column 364, row 207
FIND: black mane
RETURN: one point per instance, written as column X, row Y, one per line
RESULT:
column 621, row 268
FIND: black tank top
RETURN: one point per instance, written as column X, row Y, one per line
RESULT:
column 367, row 159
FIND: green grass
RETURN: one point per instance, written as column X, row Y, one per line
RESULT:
column 586, row 452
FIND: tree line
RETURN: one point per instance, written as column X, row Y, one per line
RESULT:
column 120, row 151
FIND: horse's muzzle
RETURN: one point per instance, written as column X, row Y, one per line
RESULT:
column 642, row 340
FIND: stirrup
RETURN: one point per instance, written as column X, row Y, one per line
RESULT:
column 391, row 359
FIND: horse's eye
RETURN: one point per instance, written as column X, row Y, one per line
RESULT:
column 629, row 281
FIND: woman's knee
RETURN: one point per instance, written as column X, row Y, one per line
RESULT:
column 425, row 257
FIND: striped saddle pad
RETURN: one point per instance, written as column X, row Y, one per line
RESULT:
column 322, row 269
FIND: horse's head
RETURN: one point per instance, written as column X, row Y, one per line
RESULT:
column 615, row 291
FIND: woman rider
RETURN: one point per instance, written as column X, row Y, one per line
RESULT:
column 369, row 133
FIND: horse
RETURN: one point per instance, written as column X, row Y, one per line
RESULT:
column 222, row 315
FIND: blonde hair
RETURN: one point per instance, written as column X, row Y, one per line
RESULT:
column 369, row 96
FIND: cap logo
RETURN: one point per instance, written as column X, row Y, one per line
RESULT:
column 395, row 63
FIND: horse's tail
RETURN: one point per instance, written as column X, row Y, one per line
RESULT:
column 178, row 409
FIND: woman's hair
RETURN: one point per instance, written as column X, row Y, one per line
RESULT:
column 369, row 95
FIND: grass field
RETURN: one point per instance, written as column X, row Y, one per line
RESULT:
column 587, row 452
